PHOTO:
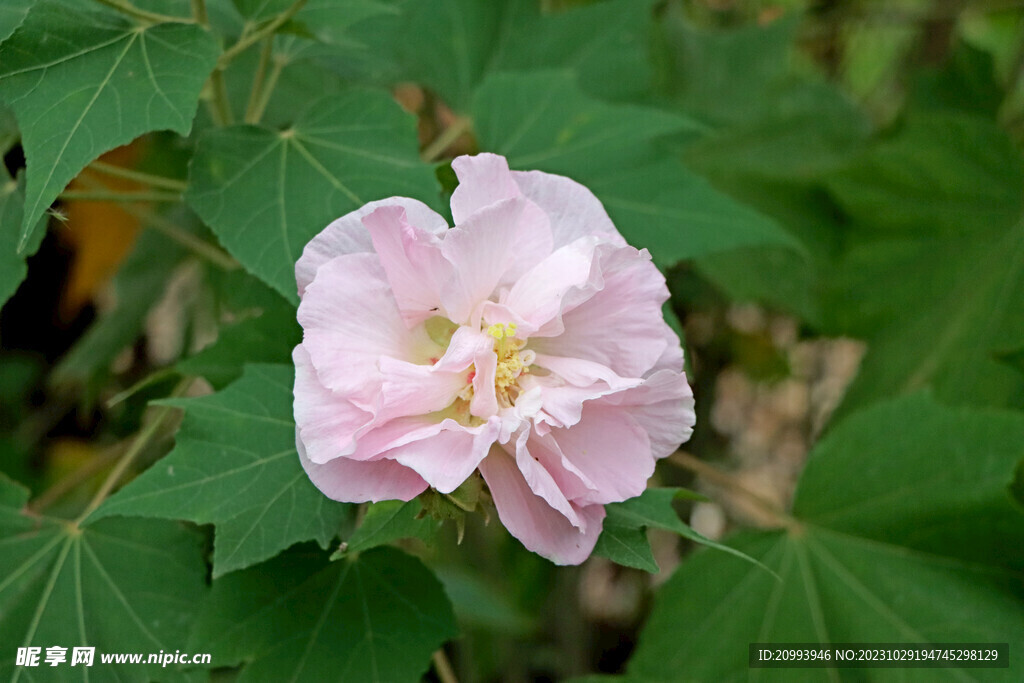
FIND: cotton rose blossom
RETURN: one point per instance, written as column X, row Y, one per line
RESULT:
column 527, row 342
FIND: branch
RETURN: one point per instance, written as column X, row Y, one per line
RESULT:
column 259, row 34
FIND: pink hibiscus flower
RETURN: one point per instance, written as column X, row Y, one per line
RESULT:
column 527, row 342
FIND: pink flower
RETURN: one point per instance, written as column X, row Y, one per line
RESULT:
column 527, row 342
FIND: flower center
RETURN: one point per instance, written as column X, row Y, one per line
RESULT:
column 513, row 361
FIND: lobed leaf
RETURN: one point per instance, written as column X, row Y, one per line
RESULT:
column 235, row 465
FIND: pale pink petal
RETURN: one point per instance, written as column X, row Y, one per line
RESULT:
column 352, row 481
column 573, row 209
column 572, row 482
column 541, row 482
column 662, row 406
column 446, row 459
column 350, row 319
column 672, row 357
column 329, row 424
column 611, row 450
column 620, row 326
column 348, row 236
column 537, row 297
column 484, row 180
column 413, row 261
column 492, row 247
column 529, row 518
column 410, row 389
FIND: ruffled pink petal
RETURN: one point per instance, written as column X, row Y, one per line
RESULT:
column 537, row 297
column 412, row 260
column 327, row 422
column 352, row 481
column 619, row 326
column 348, row 236
column 493, row 247
column 484, row 180
column 350, row 319
column 611, row 450
column 541, row 481
column 662, row 406
column 410, row 389
column 573, row 209
column 536, row 524
column 485, row 401
column 672, row 357
column 448, row 458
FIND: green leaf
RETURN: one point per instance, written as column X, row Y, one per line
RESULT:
column 477, row 601
column 450, row 46
column 235, row 465
column 374, row 618
column 264, row 331
column 388, row 521
column 938, row 230
column 904, row 532
column 624, row 538
column 12, row 263
column 543, row 121
column 120, row 586
column 266, row 193
column 104, row 83
column 12, row 13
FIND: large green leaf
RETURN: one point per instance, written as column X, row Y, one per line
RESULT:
column 102, row 84
column 12, row 13
column 12, row 263
column 126, row 585
column 903, row 532
column 235, row 465
column 543, row 121
column 373, row 618
column 938, row 230
column 450, row 46
column 390, row 520
column 265, row 193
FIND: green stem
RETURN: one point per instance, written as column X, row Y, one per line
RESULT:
column 161, row 415
column 144, row 15
column 138, row 176
column 259, row 80
column 268, row 89
column 259, row 34
column 443, row 668
column 221, row 110
column 200, row 247
column 443, row 141
column 199, row 13
column 113, row 196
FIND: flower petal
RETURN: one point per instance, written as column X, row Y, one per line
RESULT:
column 327, row 422
column 611, row 450
column 484, row 180
column 353, row 481
column 412, row 260
column 529, row 518
column 494, row 246
column 662, row 406
column 573, row 209
column 348, row 236
column 620, row 325
column 350, row 320
column 446, row 459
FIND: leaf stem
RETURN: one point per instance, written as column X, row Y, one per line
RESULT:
column 449, row 135
column 259, row 81
column 161, row 414
column 138, row 176
column 199, row 13
column 114, row 196
column 201, row 247
column 268, row 29
column 729, row 481
column 221, row 109
column 268, row 89
column 144, row 15
column 443, row 668
column 69, row 483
